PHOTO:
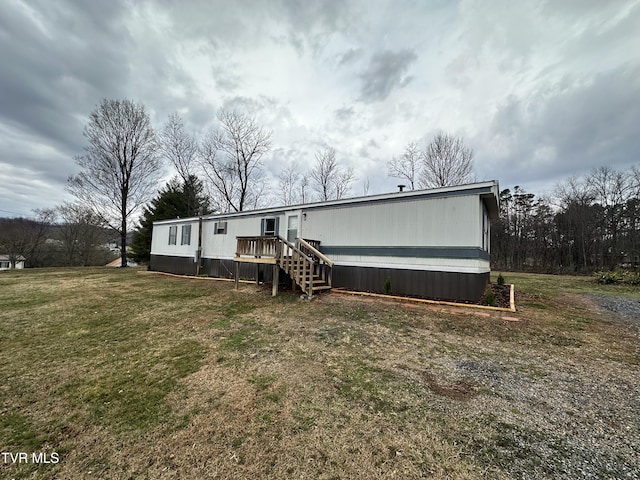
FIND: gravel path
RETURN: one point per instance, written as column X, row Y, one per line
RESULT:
column 628, row 308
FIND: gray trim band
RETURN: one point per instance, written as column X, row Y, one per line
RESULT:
column 467, row 253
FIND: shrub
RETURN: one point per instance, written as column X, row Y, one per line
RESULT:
column 608, row 277
column 489, row 298
column 500, row 280
column 631, row 278
column 618, row 277
column 387, row 286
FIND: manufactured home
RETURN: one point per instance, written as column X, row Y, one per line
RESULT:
column 429, row 243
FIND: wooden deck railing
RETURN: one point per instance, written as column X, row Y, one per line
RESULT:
column 304, row 263
column 258, row 247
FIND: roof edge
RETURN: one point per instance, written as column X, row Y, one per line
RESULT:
column 492, row 185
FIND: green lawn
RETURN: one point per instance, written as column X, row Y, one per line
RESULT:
column 120, row 373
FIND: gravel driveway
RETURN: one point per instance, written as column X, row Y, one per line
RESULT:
column 627, row 308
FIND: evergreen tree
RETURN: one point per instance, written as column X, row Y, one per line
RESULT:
column 177, row 199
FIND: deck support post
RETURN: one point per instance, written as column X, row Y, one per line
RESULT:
column 276, row 279
column 257, row 274
column 236, row 274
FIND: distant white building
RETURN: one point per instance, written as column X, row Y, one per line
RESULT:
column 5, row 262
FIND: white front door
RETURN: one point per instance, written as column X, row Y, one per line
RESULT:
column 293, row 226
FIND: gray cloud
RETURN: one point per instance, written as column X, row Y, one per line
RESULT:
column 350, row 56
column 47, row 80
column 549, row 92
column 344, row 113
column 311, row 24
column 568, row 128
column 386, row 71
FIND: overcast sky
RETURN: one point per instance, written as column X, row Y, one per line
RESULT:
column 539, row 90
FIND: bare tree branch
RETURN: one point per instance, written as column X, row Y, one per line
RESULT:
column 324, row 173
column 343, row 182
column 179, row 147
column 407, row 166
column 304, row 188
column 231, row 159
column 328, row 179
column 288, row 182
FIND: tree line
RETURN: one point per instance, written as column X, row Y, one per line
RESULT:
column 67, row 235
column 587, row 224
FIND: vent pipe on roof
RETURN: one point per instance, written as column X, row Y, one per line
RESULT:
column 401, row 188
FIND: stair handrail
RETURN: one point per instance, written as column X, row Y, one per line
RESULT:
column 302, row 277
column 296, row 249
column 315, row 251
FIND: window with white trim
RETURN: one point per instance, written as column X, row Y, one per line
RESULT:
column 173, row 235
column 186, row 235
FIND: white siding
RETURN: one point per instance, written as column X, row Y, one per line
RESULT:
column 224, row 246
column 452, row 222
column 160, row 239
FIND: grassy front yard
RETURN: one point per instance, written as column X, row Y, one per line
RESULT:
column 119, row 373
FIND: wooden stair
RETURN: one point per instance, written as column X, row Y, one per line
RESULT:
column 307, row 267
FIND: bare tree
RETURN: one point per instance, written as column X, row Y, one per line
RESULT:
column 610, row 186
column 288, row 181
column 179, row 147
column 365, row 186
column 260, row 194
column 576, row 197
column 634, row 174
column 232, row 159
column 407, row 166
column 304, row 188
column 82, row 235
column 572, row 190
column 324, row 173
column 445, row 162
column 611, row 189
column 329, row 181
column 343, row 182
column 120, row 167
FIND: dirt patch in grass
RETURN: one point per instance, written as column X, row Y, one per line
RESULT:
column 144, row 376
column 462, row 390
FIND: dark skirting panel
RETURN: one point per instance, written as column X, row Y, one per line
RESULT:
column 212, row 267
column 215, row 267
column 171, row 264
column 452, row 286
